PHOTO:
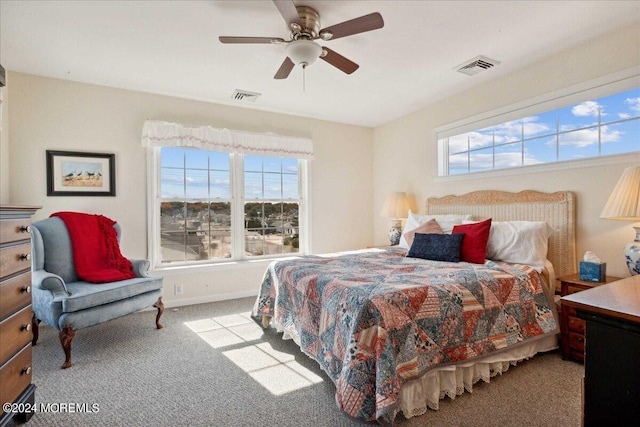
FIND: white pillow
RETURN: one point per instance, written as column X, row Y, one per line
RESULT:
column 446, row 222
column 520, row 242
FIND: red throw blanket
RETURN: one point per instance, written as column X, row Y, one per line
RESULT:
column 96, row 251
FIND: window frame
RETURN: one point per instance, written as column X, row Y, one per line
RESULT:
column 604, row 86
column 236, row 182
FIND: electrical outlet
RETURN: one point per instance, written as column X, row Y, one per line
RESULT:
column 177, row 289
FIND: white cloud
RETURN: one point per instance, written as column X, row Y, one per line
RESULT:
column 587, row 108
column 634, row 103
column 585, row 137
column 624, row 115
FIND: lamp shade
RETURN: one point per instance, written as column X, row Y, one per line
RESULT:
column 624, row 202
column 396, row 205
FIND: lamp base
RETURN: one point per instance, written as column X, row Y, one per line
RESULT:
column 395, row 232
column 632, row 254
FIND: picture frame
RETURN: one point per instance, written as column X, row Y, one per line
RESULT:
column 73, row 173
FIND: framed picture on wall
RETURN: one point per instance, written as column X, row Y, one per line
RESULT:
column 72, row 173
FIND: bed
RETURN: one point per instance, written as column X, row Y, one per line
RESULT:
column 396, row 334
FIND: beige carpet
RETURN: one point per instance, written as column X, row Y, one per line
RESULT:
column 211, row 366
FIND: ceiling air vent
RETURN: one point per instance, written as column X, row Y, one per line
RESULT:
column 245, row 95
column 476, row 65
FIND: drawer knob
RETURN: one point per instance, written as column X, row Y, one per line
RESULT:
column 26, row 371
column 25, row 257
column 25, row 229
column 26, row 327
column 26, row 289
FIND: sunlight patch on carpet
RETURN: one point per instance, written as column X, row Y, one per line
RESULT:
column 276, row 371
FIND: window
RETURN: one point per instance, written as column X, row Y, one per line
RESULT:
column 601, row 126
column 271, row 206
column 212, row 205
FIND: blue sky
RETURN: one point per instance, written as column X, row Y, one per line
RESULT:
column 578, row 139
column 207, row 175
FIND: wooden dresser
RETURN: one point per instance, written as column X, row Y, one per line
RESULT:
column 611, row 386
column 15, row 311
column 571, row 327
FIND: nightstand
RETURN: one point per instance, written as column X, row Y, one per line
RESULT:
column 571, row 327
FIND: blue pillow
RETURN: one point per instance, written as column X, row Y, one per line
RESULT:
column 437, row 247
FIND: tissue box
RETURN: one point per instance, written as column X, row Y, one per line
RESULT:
column 593, row 272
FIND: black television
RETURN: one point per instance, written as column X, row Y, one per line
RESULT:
column 2, row 80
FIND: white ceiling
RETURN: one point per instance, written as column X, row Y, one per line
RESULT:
column 172, row 48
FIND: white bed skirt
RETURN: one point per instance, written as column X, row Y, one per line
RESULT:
column 425, row 392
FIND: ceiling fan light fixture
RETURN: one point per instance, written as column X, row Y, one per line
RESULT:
column 303, row 51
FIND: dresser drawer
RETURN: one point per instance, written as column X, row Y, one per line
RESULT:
column 15, row 293
column 13, row 230
column 15, row 333
column 577, row 325
column 15, row 258
column 15, row 375
column 576, row 341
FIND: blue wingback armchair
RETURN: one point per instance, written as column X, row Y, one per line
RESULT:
column 67, row 303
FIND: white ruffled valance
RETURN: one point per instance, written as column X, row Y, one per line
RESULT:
column 165, row 134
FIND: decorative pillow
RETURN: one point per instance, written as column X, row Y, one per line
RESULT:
column 436, row 247
column 429, row 227
column 474, row 245
column 521, row 242
column 446, row 223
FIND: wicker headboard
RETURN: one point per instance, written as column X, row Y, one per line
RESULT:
column 557, row 209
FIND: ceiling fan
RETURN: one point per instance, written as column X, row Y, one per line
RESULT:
column 304, row 29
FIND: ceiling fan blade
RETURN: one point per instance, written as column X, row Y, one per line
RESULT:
column 265, row 40
column 288, row 11
column 369, row 22
column 339, row 61
column 285, row 69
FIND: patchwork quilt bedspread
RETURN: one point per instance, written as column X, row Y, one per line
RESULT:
column 376, row 319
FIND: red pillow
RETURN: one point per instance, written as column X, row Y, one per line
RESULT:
column 474, row 244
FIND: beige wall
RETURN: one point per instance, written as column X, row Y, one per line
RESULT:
column 404, row 149
column 4, row 149
column 49, row 114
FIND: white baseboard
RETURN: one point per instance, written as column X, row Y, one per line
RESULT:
column 207, row 298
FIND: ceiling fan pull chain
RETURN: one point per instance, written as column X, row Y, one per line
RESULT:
column 304, row 83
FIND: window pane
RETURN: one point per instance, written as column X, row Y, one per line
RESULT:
column 458, row 163
column 253, row 185
column 271, row 228
column 218, row 161
column 171, row 183
column 579, row 116
column 290, row 166
column 219, row 187
column 290, row 187
column 272, row 164
column 482, row 160
column 172, row 157
column 579, row 144
column 458, row 143
column 621, row 138
column 540, row 150
column 272, row 186
column 509, row 155
column 172, row 231
column 196, row 159
column 217, row 238
column 197, row 184
column 252, row 164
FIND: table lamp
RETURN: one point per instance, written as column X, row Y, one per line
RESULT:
column 395, row 207
column 624, row 204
